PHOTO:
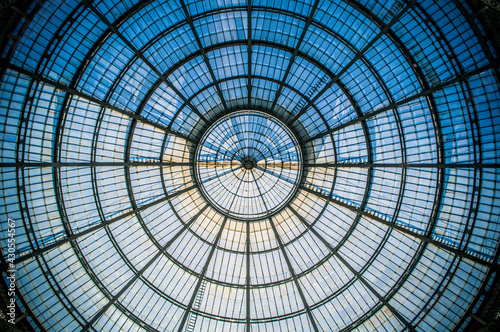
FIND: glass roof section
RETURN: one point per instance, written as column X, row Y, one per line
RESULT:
column 250, row 165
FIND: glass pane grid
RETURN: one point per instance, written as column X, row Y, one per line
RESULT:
column 199, row 166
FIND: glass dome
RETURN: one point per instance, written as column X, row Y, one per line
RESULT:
column 250, row 166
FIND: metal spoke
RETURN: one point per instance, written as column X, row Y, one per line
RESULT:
column 353, row 271
column 358, row 56
column 249, row 52
column 247, row 280
column 94, row 164
column 201, row 276
column 402, row 165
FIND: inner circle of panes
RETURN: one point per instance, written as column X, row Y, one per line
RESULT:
column 248, row 165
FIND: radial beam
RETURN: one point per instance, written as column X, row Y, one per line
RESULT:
column 424, row 93
column 249, row 52
column 99, row 226
column 393, row 225
column 204, row 54
column 93, row 164
column 358, row 56
column 140, row 55
column 401, row 165
column 202, row 276
column 294, row 54
column 247, row 280
column 101, row 103
column 358, row 275
column 140, row 272
column 294, row 276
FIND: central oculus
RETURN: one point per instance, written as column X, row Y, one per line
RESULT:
column 248, row 165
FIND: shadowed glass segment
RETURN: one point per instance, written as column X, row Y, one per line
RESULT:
column 248, row 165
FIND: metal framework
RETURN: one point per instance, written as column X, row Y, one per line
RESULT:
column 106, row 104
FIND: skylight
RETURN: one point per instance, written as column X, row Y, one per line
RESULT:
column 250, row 166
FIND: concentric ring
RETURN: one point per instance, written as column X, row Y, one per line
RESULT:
column 248, row 165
